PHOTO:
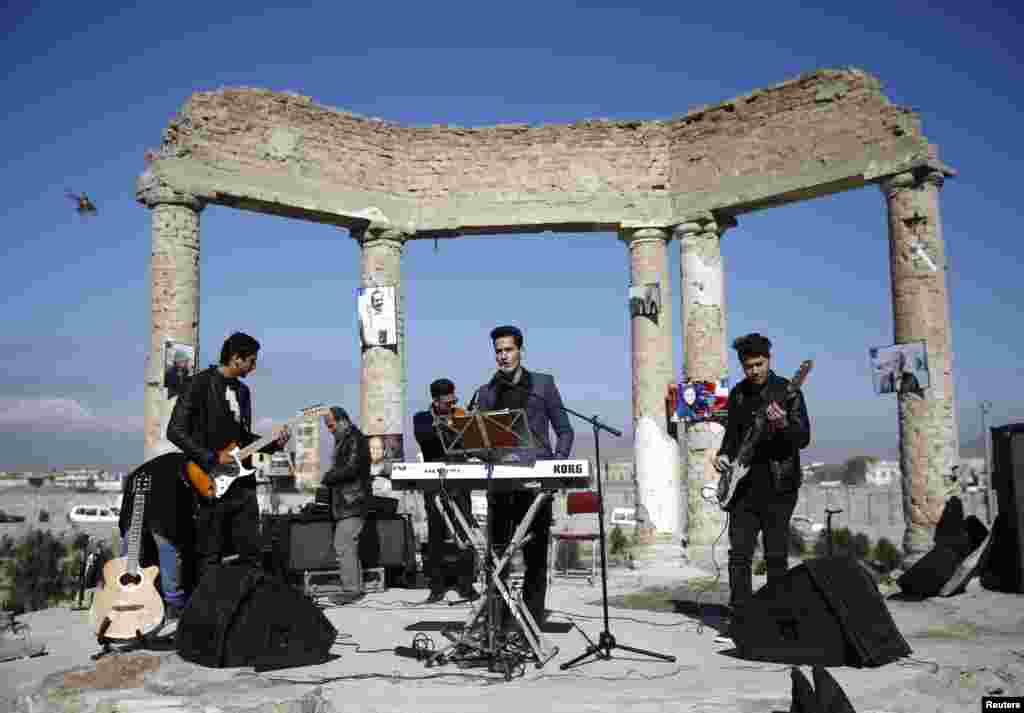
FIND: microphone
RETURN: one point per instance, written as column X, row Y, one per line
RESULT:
column 472, row 402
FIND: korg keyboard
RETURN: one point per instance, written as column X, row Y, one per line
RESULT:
column 543, row 475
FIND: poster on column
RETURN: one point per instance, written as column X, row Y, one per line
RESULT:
column 900, row 368
column 385, row 450
column 704, row 281
column 378, row 317
column 179, row 366
column 645, row 301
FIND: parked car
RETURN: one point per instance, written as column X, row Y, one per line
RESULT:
column 806, row 525
column 86, row 514
column 7, row 517
column 623, row 517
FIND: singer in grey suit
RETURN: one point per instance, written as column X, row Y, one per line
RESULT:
column 513, row 387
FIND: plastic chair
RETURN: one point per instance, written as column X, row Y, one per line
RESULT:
column 583, row 502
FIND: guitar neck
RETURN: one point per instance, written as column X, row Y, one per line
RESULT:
column 255, row 446
column 311, row 412
column 135, row 531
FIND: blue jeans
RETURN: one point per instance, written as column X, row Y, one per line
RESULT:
column 170, row 567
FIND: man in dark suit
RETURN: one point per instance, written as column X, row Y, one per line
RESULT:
column 513, row 387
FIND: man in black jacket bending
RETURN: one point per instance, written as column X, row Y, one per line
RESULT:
column 214, row 412
column 350, row 483
column 766, row 498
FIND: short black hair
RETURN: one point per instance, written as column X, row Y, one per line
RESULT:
column 340, row 414
column 238, row 343
column 508, row 331
column 752, row 345
column 441, row 387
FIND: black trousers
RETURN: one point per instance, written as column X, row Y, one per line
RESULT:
column 758, row 510
column 507, row 511
column 228, row 526
column 441, row 573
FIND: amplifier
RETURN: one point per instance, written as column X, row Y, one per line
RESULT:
column 321, row 582
column 325, row 582
column 300, row 543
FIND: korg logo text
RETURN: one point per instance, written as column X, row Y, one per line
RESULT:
column 568, row 468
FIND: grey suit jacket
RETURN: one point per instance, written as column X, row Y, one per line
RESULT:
column 543, row 411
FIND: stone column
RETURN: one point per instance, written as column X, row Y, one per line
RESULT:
column 382, row 388
column 917, row 261
column 174, row 297
column 655, row 455
column 704, row 359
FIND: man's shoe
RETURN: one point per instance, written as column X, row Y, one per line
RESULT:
column 434, row 597
column 725, row 634
column 172, row 612
column 469, row 593
column 343, row 598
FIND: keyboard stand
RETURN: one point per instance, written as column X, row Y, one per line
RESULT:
column 474, row 633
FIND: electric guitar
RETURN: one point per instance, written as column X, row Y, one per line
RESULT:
column 213, row 485
column 737, row 471
column 127, row 604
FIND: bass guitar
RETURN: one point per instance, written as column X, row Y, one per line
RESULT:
column 127, row 604
column 738, row 469
column 213, row 485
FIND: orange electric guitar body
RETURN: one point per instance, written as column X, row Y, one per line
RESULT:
column 200, row 479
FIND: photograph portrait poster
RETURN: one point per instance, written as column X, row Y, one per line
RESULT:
column 645, row 301
column 378, row 317
column 900, row 368
column 179, row 366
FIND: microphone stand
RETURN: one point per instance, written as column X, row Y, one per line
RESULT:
column 606, row 642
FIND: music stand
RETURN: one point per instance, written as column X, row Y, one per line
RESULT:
column 494, row 436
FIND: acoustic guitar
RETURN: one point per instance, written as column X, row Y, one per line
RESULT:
column 214, row 485
column 127, row 604
column 736, row 472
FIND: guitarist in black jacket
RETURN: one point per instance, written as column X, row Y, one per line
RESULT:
column 215, row 411
column 765, row 500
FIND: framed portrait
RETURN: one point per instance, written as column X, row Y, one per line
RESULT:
column 385, row 450
column 900, row 368
column 378, row 316
column 179, row 366
column 645, row 301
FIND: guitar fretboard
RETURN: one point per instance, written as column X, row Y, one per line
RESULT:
column 135, row 531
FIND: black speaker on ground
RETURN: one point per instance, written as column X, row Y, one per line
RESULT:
column 826, row 611
column 389, row 542
column 241, row 616
column 299, row 543
column 930, row 573
column 1004, row 567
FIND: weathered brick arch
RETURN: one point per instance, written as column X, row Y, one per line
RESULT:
column 650, row 181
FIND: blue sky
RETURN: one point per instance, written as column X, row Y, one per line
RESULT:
column 88, row 89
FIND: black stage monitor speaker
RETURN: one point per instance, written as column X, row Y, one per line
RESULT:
column 389, row 542
column 299, row 543
column 930, row 573
column 1004, row 570
column 825, row 611
column 241, row 616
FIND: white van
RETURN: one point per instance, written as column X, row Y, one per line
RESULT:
column 84, row 514
column 623, row 517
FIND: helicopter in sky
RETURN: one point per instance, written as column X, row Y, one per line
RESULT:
column 85, row 206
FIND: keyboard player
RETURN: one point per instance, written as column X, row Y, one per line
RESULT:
column 425, row 425
column 513, row 387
